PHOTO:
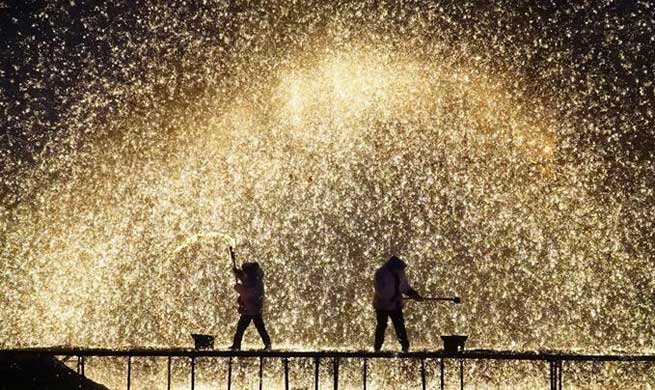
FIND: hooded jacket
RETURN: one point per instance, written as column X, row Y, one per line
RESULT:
column 390, row 285
column 251, row 292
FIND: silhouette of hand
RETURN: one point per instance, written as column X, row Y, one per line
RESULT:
column 413, row 294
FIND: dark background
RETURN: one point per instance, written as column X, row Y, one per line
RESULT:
column 51, row 55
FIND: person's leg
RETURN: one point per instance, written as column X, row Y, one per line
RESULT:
column 399, row 326
column 243, row 323
column 381, row 326
column 261, row 328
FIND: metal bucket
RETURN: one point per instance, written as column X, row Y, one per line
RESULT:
column 454, row 343
column 203, row 341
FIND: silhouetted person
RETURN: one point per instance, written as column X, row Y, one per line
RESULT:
column 390, row 285
column 251, row 302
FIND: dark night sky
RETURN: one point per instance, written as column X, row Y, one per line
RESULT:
column 50, row 63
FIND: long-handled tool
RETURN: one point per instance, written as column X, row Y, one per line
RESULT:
column 451, row 299
column 234, row 261
column 236, row 278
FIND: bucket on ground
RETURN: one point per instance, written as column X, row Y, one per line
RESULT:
column 203, row 341
column 453, row 343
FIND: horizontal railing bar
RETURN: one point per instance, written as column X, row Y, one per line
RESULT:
column 467, row 354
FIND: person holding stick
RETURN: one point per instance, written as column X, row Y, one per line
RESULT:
column 250, row 286
column 390, row 285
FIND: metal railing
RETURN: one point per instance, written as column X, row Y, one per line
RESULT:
column 555, row 361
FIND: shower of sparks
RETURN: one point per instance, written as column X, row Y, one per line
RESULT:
column 319, row 139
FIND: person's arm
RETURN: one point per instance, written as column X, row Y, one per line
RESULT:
column 411, row 293
column 248, row 293
column 406, row 289
column 239, row 274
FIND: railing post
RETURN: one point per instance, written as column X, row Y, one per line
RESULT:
column 317, row 363
column 335, row 363
column 461, row 374
column 168, row 374
column 261, row 372
column 441, row 374
column 129, row 372
column 80, row 365
column 365, row 374
column 229, row 373
column 193, row 373
column 556, row 374
column 560, row 373
column 423, row 379
column 286, row 373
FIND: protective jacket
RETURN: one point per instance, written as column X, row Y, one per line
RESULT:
column 390, row 285
column 251, row 295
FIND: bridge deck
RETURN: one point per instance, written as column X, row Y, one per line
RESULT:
column 554, row 360
column 474, row 354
